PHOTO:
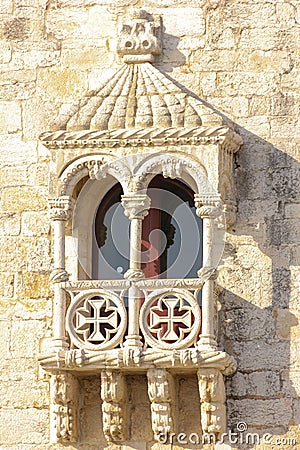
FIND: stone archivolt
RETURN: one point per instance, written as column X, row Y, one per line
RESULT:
column 138, row 107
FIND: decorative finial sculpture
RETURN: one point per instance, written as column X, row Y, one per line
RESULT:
column 139, row 37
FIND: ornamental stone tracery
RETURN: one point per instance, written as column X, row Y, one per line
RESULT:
column 137, row 124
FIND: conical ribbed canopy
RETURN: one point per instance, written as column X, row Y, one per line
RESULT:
column 137, row 96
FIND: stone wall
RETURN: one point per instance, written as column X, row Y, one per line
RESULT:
column 242, row 57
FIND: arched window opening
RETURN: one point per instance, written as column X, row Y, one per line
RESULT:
column 172, row 232
column 111, row 228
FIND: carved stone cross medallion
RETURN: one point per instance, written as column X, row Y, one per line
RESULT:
column 170, row 319
column 96, row 319
column 167, row 313
column 92, row 318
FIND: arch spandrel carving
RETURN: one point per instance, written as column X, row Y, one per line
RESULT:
column 135, row 125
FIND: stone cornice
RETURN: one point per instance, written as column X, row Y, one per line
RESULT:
column 80, row 360
column 149, row 137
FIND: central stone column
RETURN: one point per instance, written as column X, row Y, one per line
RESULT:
column 136, row 207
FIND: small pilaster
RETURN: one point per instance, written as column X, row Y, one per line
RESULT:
column 208, row 207
column 60, row 211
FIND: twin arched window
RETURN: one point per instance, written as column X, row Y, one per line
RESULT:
column 171, row 233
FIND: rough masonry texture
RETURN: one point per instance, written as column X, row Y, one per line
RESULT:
column 241, row 58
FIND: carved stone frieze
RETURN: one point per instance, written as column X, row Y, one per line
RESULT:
column 161, row 394
column 64, row 407
column 212, row 399
column 146, row 137
column 172, row 168
column 114, row 398
column 191, row 359
column 82, row 285
column 97, row 169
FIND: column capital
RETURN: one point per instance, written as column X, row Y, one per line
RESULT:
column 208, row 206
column 60, row 208
column 136, row 206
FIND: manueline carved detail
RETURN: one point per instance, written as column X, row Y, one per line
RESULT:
column 170, row 319
column 114, row 397
column 136, row 206
column 139, row 37
column 64, row 407
column 60, row 208
column 161, row 394
column 208, row 205
column 212, row 399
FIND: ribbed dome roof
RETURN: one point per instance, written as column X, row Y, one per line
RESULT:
column 137, row 96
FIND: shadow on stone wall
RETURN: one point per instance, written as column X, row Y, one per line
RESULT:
column 260, row 252
column 256, row 327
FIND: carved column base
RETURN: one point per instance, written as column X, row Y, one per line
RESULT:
column 161, row 393
column 114, row 397
column 63, row 408
column 212, row 399
column 207, row 342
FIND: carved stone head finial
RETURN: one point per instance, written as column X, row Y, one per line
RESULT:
column 139, row 37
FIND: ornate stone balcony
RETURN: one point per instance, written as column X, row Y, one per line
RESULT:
column 169, row 323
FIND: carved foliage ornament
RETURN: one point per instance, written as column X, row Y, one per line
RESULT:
column 136, row 206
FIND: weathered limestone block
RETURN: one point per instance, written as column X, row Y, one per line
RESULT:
column 10, row 117
column 35, row 224
column 5, row 331
column 6, row 7
column 65, row 83
column 10, row 224
column 261, row 355
column 249, row 14
column 25, row 337
column 248, row 83
column 30, row 394
column 193, row 23
column 34, row 285
column 15, row 152
column 5, row 51
column 286, row 13
column 256, row 384
column 255, row 412
column 260, row 39
column 23, row 426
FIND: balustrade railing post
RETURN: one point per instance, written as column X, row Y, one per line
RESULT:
column 208, row 207
column 136, row 207
column 60, row 210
